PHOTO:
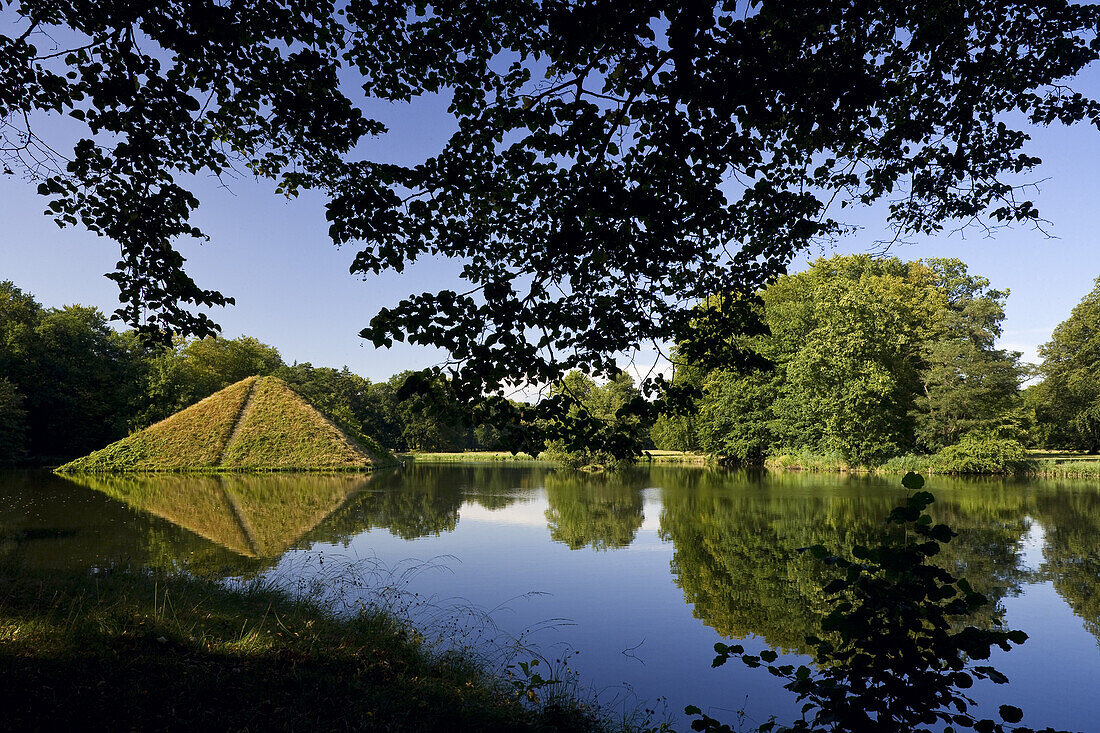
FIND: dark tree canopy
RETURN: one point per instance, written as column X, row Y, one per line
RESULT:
column 613, row 161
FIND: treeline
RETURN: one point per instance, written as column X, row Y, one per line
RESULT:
column 70, row 384
column 868, row 359
column 861, row 360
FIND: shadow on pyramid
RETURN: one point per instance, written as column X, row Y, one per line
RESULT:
column 257, row 424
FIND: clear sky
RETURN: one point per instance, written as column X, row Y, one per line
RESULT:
column 294, row 291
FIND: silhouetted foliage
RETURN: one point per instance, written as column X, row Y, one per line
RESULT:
column 611, row 163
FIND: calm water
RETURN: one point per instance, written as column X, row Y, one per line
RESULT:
column 631, row 578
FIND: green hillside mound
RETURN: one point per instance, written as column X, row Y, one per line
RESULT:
column 257, row 424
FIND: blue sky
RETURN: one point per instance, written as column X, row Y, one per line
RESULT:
column 294, row 291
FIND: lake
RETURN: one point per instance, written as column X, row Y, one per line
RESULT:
column 625, row 580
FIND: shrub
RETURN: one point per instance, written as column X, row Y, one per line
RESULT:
column 982, row 452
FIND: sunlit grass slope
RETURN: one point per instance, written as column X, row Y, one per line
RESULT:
column 193, row 438
column 278, row 430
column 257, row 424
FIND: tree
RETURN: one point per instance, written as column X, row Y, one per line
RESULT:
column 428, row 417
column 75, row 382
column 866, row 357
column 967, row 383
column 736, row 417
column 1067, row 401
column 849, row 330
column 597, row 425
column 12, row 418
column 193, row 369
column 612, row 164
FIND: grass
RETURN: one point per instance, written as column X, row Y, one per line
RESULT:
column 1052, row 464
column 1067, row 465
column 281, row 431
column 123, row 650
column 257, row 424
column 651, row 456
column 462, row 457
column 807, row 461
column 675, row 457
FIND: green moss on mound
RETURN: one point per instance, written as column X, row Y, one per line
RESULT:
column 257, row 424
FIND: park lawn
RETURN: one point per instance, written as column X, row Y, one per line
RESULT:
column 656, row 456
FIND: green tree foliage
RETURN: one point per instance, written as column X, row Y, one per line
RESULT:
column 193, row 369
column 868, row 358
column 80, row 380
column 12, row 421
column 429, row 417
column 610, row 165
column 599, row 425
column 967, row 384
column 981, row 451
column 736, row 418
column 677, row 427
column 1067, row 402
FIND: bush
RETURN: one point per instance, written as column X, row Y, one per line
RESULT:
column 982, row 452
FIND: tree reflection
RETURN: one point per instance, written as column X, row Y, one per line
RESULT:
column 601, row 511
column 736, row 540
column 424, row 500
column 1070, row 517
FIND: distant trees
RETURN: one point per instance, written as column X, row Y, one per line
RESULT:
column 1066, row 403
column 78, row 379
column 71, row 384
column 189, row 370
column 598, row 426
column 12, row 417
column 866, row 357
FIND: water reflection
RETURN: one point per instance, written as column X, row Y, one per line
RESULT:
column 601, row 511
column 1070, row 519
column 736, row 552
column 734, row 537
column 424, row 501
column 257, row 516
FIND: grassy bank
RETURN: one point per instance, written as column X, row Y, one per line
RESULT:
column 653, row 456
column 141, row 651
column 467, row 456
column 1051, row 464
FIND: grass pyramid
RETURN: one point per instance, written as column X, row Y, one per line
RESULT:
column 257, row 424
